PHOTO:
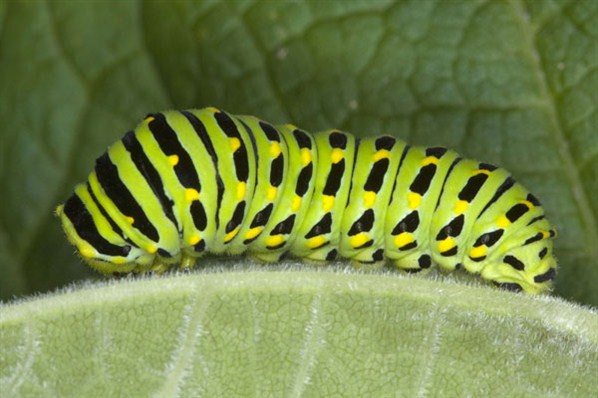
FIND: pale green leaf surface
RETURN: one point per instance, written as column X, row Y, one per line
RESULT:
column 298, row 333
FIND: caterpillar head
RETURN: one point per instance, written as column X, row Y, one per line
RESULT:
column 94, row 238
column 528, row 267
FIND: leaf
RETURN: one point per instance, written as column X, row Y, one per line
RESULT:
column 299, row 333
column 514, row 83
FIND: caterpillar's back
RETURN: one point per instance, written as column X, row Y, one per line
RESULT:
column 186, row 183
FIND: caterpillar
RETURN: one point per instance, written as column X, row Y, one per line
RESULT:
column 185, row 183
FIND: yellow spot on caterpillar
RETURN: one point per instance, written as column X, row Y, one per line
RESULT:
column 429, row 160
column 241, row 189
column 194, row 239
column 545, row 234
column 369, row 197
column 296, row 203
column 151, row 249
column 253, row 232
column 316, row 241
column 503, row 221
column 403, row 239
column 275, row 149
column 87, row 252
column 173, row 160
column 274, row 240
column 327, row 202
column 481, row 171
column 228, row 237
column 413, row 200
column 191, row 194
column 479, row 251
column 130, row 220
column 149, row 119
column 461, row 206
column 381, row 154
column 305, row 156
column 213, row 110
column 359, row 239
column 446, row 245
column 337, row 155
column 271, row 194
column 119, row 260
column 234, row 143
column 529, row 204
column 290, row 126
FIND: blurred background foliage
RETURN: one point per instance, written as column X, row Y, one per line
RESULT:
column 510, row 82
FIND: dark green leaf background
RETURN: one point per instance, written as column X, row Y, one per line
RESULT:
column 510, row 82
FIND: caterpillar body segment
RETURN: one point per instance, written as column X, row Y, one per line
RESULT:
column 363, row 223
column 184, row 183
column 319, row 233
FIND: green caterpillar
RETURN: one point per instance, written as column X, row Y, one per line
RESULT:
column 184, row 183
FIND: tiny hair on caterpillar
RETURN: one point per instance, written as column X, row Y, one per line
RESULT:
column 186, row 183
